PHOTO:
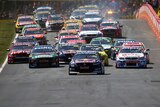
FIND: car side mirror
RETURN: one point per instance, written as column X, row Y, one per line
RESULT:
column 121, row 26
column 8, row 49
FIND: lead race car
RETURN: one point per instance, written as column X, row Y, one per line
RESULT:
column 131, row 57
column 86, row 62
column 43, row 55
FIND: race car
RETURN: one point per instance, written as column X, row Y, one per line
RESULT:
column 25, row 39
column 86, row 62
column 78, row 14
column 65, row 39
column 65, row 33
column 92, row 18
column 118, row 45
column 54, row 23
column 89, row 31
column 43, row 55
column 37, row 33
column 66, row 51
column 72, row 27
column 29, row 26
column 96, row 48
column 111, row 28
column 19, row 52
column 130, row 57
column 105, row 42
column 141, row 46
column 41, row 18
column 22, row 21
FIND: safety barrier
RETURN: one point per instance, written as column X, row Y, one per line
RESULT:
column 147, row 12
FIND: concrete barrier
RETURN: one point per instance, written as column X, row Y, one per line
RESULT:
column 147, row 12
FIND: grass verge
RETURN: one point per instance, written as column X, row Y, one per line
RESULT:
column 7, row 33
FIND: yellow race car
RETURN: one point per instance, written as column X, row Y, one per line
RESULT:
column 22, row 21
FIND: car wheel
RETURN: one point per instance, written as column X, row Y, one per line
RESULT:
column 57, row 64
column 31, row 65
column 9, row 62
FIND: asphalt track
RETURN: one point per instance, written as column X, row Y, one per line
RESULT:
column 53, row 87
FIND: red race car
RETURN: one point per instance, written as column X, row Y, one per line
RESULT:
column 111, row 28
column 19, row 52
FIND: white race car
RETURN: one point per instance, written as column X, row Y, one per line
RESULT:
column 131, row 57
column 89, row 31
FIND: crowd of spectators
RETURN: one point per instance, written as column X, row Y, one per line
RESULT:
column 11, row 9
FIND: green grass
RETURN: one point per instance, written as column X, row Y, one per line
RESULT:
column 7, row 33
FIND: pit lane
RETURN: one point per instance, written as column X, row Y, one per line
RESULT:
column 53, row 87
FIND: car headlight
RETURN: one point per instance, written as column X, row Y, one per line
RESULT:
column 72, row 64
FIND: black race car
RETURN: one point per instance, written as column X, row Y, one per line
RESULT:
column 86, row 62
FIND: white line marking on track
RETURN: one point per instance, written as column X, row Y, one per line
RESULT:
column 5, row 62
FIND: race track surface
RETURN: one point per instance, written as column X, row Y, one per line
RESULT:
column 53, row 87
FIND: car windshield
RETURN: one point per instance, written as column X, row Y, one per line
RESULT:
column 78, row 13
column 72, row 27
column 65, row 40
column 101, row 42
column 44, row 15
column 21, row 47
column 130, row 51
column 42, row 10
column 25, row 19
column 30, row 32
column 56, row 18
column 84, row 56
column 89, row 29
column 42, row 50
column 91, row 48
column 69, row 48
column 92, row 16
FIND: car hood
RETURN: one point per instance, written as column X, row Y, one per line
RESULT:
column 25, row 51
column 36, row 35
column 85, row 60
column 26, row 23
column 43, row 55
column 125, row 55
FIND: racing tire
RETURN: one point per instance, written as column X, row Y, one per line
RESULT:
column 57, row 64
column 31, row 66
column 9, row 62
